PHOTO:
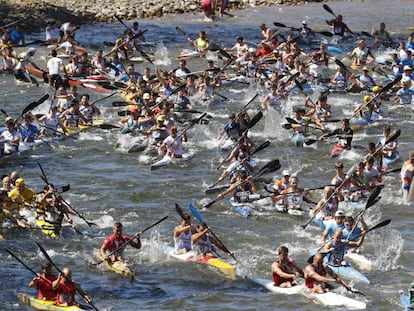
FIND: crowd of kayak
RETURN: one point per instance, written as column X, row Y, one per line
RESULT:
column 159, row 111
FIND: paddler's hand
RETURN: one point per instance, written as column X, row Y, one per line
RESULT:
column 87, row 299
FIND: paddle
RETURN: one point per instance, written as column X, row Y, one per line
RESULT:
column 293, row 121
column 103, row 98
column 26, row 266
column 129, row 240
column 342, row 282
column 120, row 104
column 323, row 33
column 214, row 47
column 259, row 148
column 391, row 137
column 197, row 215
column 83, row 294
column 269, row 167
column 33, row 105
column 12, row 23
column 347, row 176
column 59, row 197
column 329, row 10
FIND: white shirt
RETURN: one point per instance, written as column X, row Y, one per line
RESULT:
column 52, row 33
column 66, row 27
column 54, row 66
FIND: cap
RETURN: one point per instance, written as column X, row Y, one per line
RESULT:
column 365, row 69
column 31, row 50
column 339, row 213
column 9, row 120
column 173, row 128
column 19, row 181
column 46, row 265
column 366, row 98
column 285, row 173
column 376, row 89
column 304, row 22
column 406, row 67
column 161, row 117
column 146, row 96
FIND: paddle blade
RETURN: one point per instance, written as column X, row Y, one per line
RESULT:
column 341, row 64
column 290, row 120
column 255, row 119
column 180, row 212
column 328, row 9
column 272, row 166
column 217, row 189
column 326, row 33
column 299, row 85
column 119, row 104
column 380, row 225
column 261, row 147
column 33, row 105
column 195, row 212
column 279, row 25
column 372, row 197
column 287, row 126
column 309, row 142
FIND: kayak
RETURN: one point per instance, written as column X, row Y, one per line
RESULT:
column 360, row 261
column 118, row 267
column 327, row 299
column 217, row 263
column 386, row 161
column 40, row 304
column 295, row 212
column 405, row 300
column 246, row 209
column 347, row 271
column 167, row 160
column 337, row 151
column 337, row 300
column 269, row 284
column 190, row 55
column 335, row 50
column 74, row 82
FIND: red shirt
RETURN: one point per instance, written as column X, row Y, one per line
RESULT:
column 45, row 288
column 287, row 268
column 112, row 242
column 66, row 293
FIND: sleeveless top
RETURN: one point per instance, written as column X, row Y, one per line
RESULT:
column 287, row 268
column 202, row 246
column 183, row 241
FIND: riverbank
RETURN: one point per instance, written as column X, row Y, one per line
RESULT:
column 34, row 14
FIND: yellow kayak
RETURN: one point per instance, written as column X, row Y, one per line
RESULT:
column 224, row 267
column 118, row 267
column 40, row 304
column 50, row 232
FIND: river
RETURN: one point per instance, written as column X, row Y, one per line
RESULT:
column 108, row 185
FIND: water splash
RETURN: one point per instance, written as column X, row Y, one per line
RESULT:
column 161, row 55
column 390, row 244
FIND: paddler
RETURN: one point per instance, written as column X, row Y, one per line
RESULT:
column 316, row 276
column 338, row 26
column 22, row 194
column 87, row 109
column 407, row 174
column 28, row 131
column 382, row 36
column 233, row 128
column 182, row 235
column 284, row 270
column 283, row 183
column 202, row 242
column 292, row 198
column 73, row 116
column 332, row 225
column 50, row 123
column 24, row 59
column 56, row 67
column 67, row 29
column 328, row 205
column 173, row 144
column 201, row 43
column 389, row 150
column 242, row 188
column 363, row 81
column 354, row 233
column 10, row 138
column 361, row 55
column 116, row 240
column 44, row 282
column 67, row 288
column 404, row 95
column 371, row 172
column 344, row 135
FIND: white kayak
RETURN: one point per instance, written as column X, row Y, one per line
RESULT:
column 295, row 212
column 167, row 160
column 336, row 300
column 360, row 261
column 269, row 284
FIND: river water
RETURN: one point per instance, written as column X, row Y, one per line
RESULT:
column 109, row 185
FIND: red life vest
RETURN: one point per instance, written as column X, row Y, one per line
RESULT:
column 45, row 288
column 66, row 293
column 287, row 268
column 310, row 282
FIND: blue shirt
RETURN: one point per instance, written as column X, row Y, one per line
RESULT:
column 16, row 36
column 331, row 227
column 29, row 133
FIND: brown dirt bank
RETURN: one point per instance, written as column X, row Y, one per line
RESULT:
column 36, row 13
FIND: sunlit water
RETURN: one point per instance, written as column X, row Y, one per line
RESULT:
column 108, row 184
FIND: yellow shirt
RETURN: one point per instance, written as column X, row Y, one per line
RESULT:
column 27, row 195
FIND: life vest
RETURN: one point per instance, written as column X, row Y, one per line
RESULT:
column 287, row 268
column 66, row 293
column 310, row 282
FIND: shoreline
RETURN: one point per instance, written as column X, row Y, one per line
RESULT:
column 35, row 14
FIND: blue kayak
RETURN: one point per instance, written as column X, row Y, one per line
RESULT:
column 335, row 50
column 348, row 272
column 388, row 161
column 405, row 300
column 245, row 209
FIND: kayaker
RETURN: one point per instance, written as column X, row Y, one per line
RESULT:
column 173, row 144
column 182, row 235
column 28, row 131
column 382, row 36
column 233, row 128
column 56, row 67
column 341, row 178
column 202, row 242
column 332, row 225
column 67, row 29
column 407, row 174
column 241, row 163
column 354, row 233
column 294, row 196
column 361, row 54
column 363, row 81
column 72, row 116
column 316, row 276
column 116, row 240
column 242, row 188
column 344, row 135
column 44, row 282
column 389, row 150
column 306, row 33
column 51, row 122
column 336, row 247
column 284, row 270
column 371, row 172
column 328, row 205
column 10, row 138
column 339, row 27
column 282, row 183
column 87, row 109
column 22, row 194
column 404, row 95
column 358, row 188
column 67, row 288
column 201, row 43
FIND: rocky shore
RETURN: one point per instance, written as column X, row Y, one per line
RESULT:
column 34, row 14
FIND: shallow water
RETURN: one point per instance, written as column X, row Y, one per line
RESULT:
column 109, row 185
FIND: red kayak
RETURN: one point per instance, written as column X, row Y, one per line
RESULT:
column 337, row 150
column 77, row 83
